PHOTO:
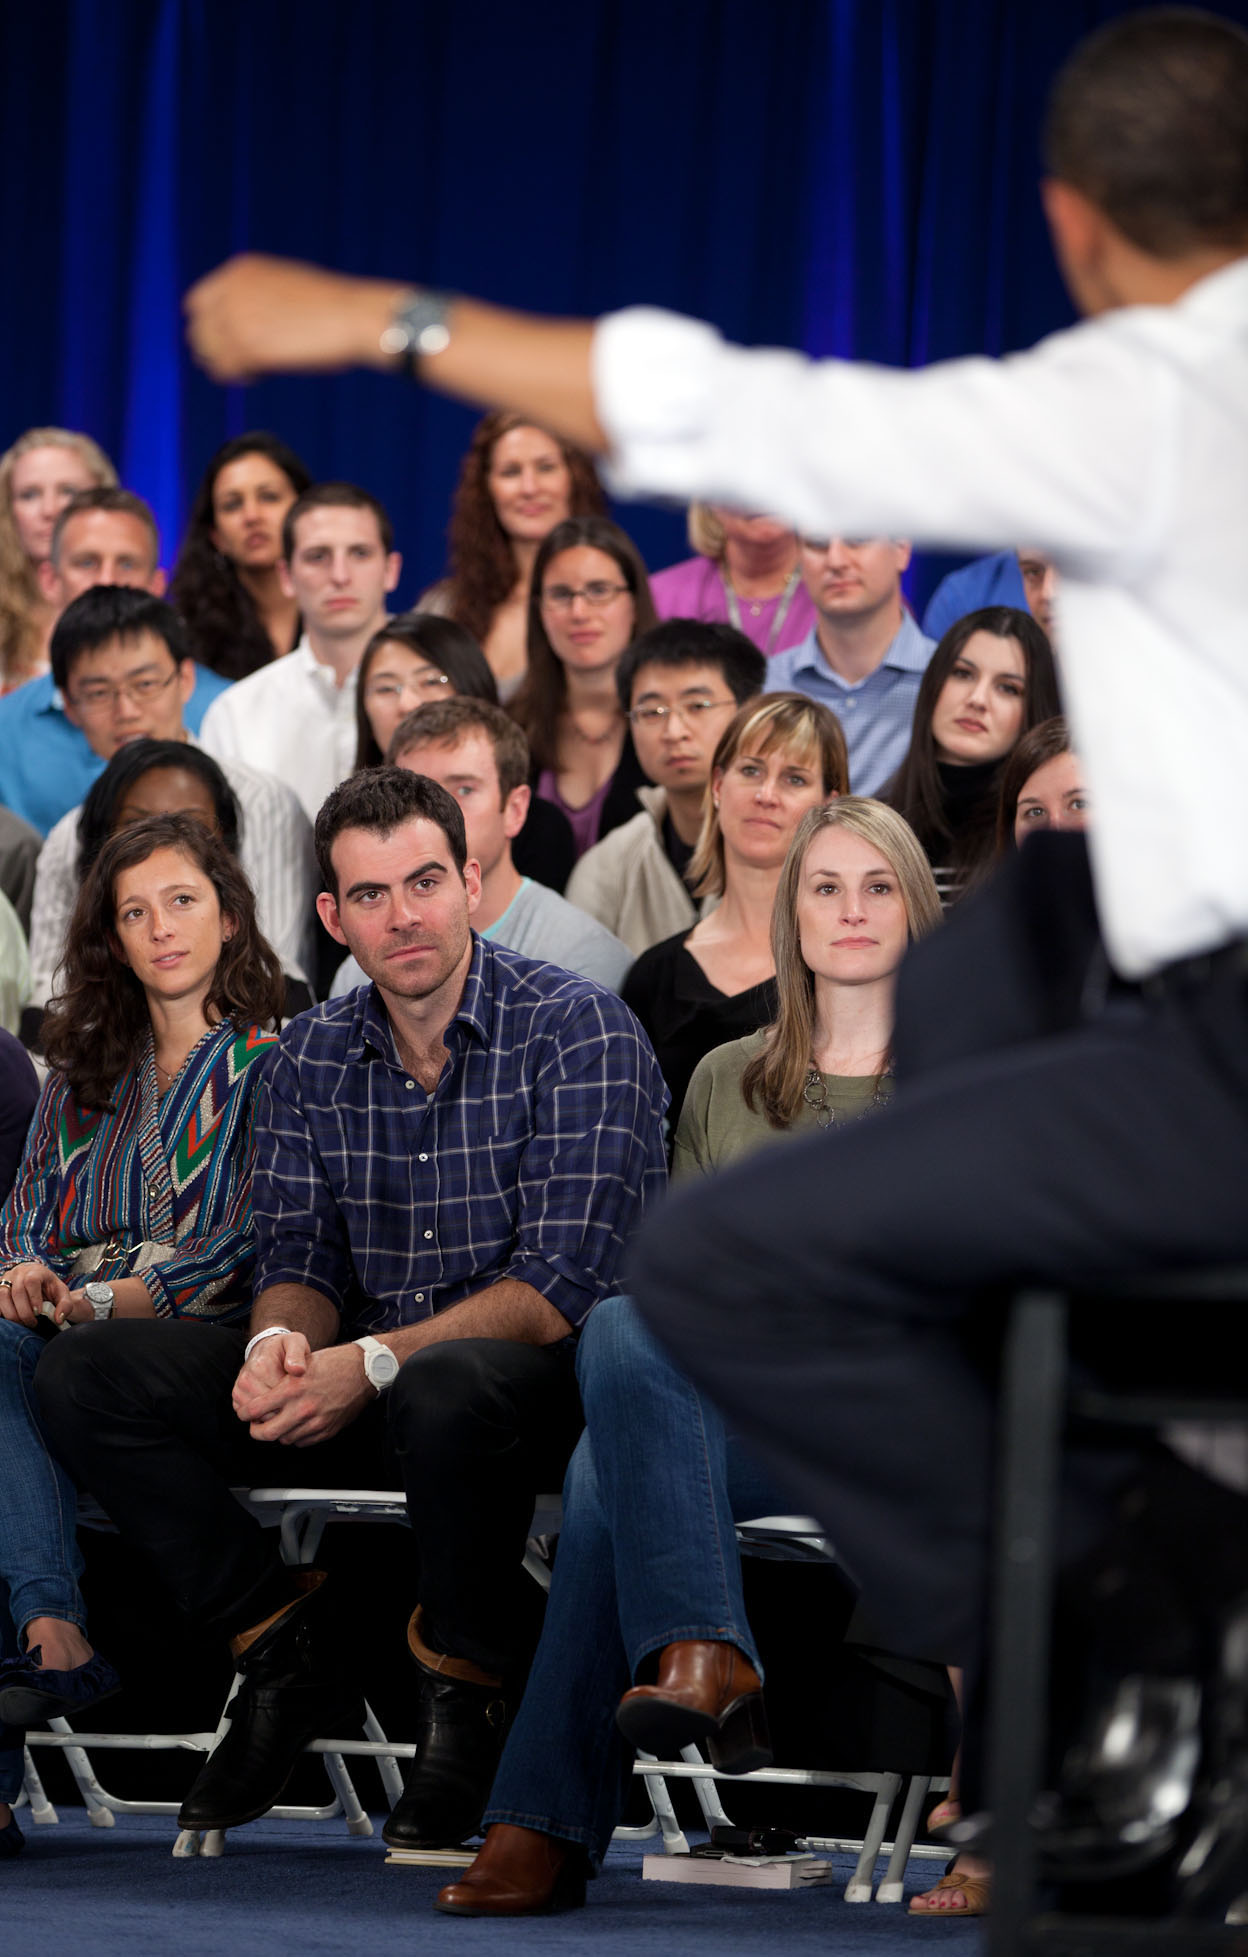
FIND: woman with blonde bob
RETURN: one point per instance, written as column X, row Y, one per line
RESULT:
column 855, row 890
column 778, row 757
column 38, row 474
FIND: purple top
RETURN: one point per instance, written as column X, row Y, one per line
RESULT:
column 695, row 589
column 585, row 821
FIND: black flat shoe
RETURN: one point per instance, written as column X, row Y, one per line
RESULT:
column 31, row 1693
column 12, row 1840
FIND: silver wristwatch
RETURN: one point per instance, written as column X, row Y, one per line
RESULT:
column 101, row 1298
column 381, row 1367
column 419, row 327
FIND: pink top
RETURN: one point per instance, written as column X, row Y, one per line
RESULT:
column 696, row 589
column 585, row 821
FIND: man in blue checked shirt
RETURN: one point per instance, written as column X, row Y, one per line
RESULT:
column 450, row 1161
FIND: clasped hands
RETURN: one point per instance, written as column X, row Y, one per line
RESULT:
column 287, row 1392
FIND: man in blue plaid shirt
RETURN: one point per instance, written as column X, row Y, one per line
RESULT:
column 449, row 1164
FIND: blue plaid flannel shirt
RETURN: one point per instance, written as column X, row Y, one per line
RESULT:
column 534, row 1157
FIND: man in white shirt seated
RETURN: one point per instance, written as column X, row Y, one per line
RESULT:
column 680, row 684
column 119, row 658
column 864, row 656
column 296, row 717
column 481, row 756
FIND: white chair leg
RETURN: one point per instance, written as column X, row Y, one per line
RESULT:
column 358, row 1822
column 95, row 1799
column 387, row 1765
column 892, row 1888
column 859, row 1887
column 674, row 1839
column 707, row 1791
column 42, row 1812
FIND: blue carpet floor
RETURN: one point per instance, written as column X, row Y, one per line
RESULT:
column 307, row 1890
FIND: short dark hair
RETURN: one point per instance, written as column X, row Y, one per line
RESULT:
column 130, row 764
column 117, row 502
column 445, row 723
column 335, row 496
column 1149, row 119
column 108, row 612
column 381, row 800
column 690, row 642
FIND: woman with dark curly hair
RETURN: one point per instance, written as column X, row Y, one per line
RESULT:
column 225, row 582
column 133, row 1200
column 516, row 483
column 590, row 599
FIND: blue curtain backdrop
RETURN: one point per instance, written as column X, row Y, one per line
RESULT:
column 854, row 176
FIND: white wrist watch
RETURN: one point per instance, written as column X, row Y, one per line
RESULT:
column 381, row 1367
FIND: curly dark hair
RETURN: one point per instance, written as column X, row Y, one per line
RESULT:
column 915, row 790
column 226, row 631
column 481, row 570
column 96, row 1024
column 544, row 691
column 441, row 641
column 130, row 764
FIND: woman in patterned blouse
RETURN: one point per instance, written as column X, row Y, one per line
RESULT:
column 133, row 1199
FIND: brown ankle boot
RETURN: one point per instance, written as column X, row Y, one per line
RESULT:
column 706, row 1691
column 518, row 1872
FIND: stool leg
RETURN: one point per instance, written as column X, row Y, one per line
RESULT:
column 1031, row 1405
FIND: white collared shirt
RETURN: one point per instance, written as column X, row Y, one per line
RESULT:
column 1120, row 447
column 290, row 719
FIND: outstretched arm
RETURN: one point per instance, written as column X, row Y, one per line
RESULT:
column 259, row 315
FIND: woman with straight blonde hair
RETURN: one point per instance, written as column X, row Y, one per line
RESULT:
column 778, row 757
column 38, row 474
column 855, row 890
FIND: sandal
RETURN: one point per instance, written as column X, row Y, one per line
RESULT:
column 977, row 1890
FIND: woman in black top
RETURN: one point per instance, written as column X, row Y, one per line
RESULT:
column 777, row 757
column 988, row 682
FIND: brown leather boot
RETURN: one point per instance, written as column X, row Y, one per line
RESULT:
column 706, row 1691
column 518, row 1872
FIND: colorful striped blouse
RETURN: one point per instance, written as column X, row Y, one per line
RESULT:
column 174, row 1172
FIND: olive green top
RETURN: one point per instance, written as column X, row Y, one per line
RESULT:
column 716, row 1127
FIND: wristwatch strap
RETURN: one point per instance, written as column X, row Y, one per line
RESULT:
column 418, row 328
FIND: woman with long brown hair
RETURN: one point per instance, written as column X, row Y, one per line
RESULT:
column 225, row 583
column 990, row 680
column 590, row 599
column 516, row 483
column 133, row 1199
column 778, row 757
column 855, row 890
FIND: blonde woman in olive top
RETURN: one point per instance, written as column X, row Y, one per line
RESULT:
column 855, row 888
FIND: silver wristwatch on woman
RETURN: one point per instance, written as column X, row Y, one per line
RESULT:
column 101, row 1298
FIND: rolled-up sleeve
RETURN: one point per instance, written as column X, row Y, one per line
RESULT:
column 300, row 1238
column 596, row 1159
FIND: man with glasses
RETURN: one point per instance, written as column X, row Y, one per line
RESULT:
column 102, row 536
column 120, row 661
column 680, row 685
column 864, row 656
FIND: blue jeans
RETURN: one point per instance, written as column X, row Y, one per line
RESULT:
column 647, row 1556
column 39, row 1559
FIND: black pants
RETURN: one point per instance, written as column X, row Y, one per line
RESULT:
column 840, row 1297
column 472, row 1430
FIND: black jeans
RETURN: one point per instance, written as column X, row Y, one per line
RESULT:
column 472, row 1430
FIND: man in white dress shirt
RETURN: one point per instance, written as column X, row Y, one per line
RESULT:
column 830, row 1296
column 295, row 718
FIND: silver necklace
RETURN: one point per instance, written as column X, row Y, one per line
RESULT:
column 782, row 609
column 815, row 1095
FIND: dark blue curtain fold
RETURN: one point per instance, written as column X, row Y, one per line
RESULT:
column 854, row 176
